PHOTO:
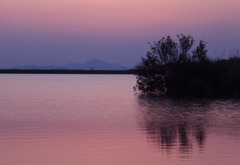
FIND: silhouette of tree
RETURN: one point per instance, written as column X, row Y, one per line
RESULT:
column 150, row 75
column 178, row 69
column 200, row 53
column 153, row 72
column 185, row 44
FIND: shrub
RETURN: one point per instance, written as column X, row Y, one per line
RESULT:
column 176, row 69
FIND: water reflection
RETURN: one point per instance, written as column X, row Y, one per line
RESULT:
column 184, row 124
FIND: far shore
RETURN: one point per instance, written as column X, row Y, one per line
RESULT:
column 39, row 71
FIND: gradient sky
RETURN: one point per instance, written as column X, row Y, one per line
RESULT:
column 56, row 32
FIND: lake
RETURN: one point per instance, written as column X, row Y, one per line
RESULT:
column 99, row 120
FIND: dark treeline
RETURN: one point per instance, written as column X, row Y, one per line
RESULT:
column 205, row 79
column 178, row 70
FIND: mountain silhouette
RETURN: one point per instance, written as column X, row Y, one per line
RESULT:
column 94, row 65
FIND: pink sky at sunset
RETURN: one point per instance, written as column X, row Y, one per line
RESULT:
column 139, row 20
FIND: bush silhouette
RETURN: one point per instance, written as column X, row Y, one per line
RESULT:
column 178, row 69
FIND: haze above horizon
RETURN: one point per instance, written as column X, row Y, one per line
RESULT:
column 56, row 32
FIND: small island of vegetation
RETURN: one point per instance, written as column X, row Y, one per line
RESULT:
column 178, row 69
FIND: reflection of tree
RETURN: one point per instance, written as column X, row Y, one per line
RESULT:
column 172, row 123
column 200, row 135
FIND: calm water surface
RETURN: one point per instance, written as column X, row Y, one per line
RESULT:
column 98, row 120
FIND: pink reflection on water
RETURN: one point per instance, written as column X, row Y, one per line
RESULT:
column 94, row 146
column 71, row 147
column 96, row 119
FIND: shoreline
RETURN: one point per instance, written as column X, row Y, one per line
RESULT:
column 39, row 71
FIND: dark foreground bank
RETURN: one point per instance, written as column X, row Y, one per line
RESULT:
column 21, row 71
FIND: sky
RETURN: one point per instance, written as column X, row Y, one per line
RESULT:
column 57, row 32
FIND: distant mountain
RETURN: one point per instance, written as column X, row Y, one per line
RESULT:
column 89, row 65
column 94, row 65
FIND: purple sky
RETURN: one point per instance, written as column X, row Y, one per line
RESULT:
column 51, row 32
